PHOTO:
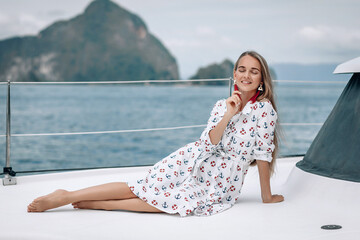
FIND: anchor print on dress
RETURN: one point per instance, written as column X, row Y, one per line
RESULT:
column 272, row 112
column 229, row 198
column 171, row 166
column 201, row 179
column 253, row 118
column 164, row 205
column 252, row 132
column 177, row 196
column 178, row 184
column 140, row 181
column 236, row 177
column 182, row 173
column 261, row 104
column 232, row 140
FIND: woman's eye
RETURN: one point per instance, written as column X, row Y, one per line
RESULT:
column 254, row 72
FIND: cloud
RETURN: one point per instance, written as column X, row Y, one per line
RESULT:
column 205, row 31
column 335, row 36
column 312, row 33
column 333, row 43
column 20, row 24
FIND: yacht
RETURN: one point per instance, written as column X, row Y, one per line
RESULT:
column 321, row 190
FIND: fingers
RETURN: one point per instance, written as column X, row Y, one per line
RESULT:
column 237, row 93
column 236, row 98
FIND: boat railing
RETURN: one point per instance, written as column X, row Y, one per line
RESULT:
column 9, row 173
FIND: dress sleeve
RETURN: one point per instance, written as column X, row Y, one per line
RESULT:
column 216, row 115
column 264, row 138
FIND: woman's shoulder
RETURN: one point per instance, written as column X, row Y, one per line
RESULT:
column 265, row 104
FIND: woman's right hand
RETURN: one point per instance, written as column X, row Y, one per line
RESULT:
column 233, row 103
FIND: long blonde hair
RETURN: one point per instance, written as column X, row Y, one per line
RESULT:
column 267, row 93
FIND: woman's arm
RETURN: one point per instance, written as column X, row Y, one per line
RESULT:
column 216, row 133
column 232, row 107
column 264, row 174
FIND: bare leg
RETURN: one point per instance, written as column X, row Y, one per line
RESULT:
column 109, row 191
column 133, row 204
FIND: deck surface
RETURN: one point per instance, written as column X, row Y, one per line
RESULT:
column 310, row 202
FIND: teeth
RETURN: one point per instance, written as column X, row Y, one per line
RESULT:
column 246, row 82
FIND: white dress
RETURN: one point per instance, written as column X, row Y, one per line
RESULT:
column 203, row 178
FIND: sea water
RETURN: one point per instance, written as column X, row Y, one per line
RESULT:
column 91, row 108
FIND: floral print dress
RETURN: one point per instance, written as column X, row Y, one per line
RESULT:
column 204, row 179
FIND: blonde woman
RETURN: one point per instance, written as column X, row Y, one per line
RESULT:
column 204, row 177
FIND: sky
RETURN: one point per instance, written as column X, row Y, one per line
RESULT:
column 201, row 32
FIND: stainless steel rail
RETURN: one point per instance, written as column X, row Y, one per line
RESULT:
column 9, row 173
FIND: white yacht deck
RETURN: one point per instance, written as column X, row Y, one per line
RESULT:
column 310, row 202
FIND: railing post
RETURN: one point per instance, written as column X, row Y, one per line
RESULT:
column 230, row 85
column 8, row 172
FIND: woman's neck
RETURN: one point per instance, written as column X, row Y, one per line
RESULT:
column 246, row 96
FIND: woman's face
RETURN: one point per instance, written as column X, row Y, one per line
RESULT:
column 248, row 74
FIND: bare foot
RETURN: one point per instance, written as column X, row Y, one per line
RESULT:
column 100, row 205
column 50, row 201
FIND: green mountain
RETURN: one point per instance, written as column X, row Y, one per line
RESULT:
column 104, row 43
column 222, row 70
column 215, row 70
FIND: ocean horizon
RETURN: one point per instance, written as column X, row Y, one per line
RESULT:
column 90, row 108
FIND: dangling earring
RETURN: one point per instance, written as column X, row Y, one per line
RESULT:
column 260, row 88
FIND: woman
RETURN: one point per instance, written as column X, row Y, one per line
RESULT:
column 204, row 177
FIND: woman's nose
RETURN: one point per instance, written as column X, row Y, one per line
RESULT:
column 247, row 74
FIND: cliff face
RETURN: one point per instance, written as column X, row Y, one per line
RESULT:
column 106, row 42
